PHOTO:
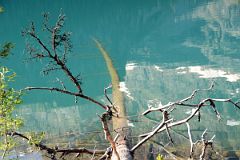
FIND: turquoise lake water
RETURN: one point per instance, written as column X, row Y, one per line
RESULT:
column 162, row 50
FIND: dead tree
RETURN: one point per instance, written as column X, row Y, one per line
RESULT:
column 168, row 123
column 56, row 56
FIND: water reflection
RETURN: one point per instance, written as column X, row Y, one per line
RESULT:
column 207, row 72
column 233, row 122
column 220, row 33
column 28, row 156
column 55, row 119
column 165, row 85
column 163, row 51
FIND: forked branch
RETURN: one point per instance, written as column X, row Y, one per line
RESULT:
column 54, row 151
column 152, row 133
column 58, row 39
column 195, row 112
column 104, row 119
column 180, row 102
column 166, row 124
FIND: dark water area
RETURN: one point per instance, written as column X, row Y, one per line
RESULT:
column 162, row 50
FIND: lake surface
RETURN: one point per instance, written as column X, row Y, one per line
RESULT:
column 162, row 50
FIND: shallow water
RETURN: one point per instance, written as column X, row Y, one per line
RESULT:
column 162, row 51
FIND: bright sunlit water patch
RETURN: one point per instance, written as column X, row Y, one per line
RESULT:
column 123, row 88
column 158, row 68
column 207, row 72
column 130, row 66
column 233, row 123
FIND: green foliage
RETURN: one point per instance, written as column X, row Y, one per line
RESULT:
column 159, row 157
column 9, row 98
column 35, row 138
column 6, row 48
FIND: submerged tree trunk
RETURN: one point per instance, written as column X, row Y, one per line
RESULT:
column 120, row 126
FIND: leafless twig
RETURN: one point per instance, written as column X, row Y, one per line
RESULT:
column 54, row 151
column 205, row 143
column 195, row 111
column 58, row 39
column 104, row 119
column 180, row 102
column 152, row 133
column 69, row 93
column 190, row 139
column 206, row 102
column 112, row 107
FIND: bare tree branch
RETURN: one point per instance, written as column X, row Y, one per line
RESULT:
column 180, row 102
column 54, row 151
column 47, row 70
column 69, row 93
column 194, row 112
column 104, row 119
column 57, row 39
column 152, row 133
column 56, row 54
column 93, row 152
column 190, row 139
column 112, row 107
column 45, row 22
column 107, row 154
column 105, row 93
column 205, row 143
column 168, row 133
